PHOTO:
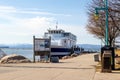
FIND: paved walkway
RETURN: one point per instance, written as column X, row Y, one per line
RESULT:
column 78, row 68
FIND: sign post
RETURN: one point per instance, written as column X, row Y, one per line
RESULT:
column 41, row 47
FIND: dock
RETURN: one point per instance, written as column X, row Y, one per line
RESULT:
column 78, row 68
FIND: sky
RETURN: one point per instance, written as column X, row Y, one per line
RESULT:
column 20, row 20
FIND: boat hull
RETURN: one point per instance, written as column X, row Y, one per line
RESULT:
column 60, row 51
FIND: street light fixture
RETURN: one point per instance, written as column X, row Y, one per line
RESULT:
column 105, row 8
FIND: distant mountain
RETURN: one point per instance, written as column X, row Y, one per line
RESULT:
column 25, row 46
column 30, row 46
column 90, row 46
column 4, row 46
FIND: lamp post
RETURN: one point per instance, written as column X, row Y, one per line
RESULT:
column 107, row 46
column 105, row 8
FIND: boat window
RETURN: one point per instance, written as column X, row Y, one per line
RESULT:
column 59, row 31
column 65, row 41
column 56, row 32
column 66, row 34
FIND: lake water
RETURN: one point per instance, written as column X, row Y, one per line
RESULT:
column 28, row 53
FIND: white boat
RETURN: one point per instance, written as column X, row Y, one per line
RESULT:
column 61, row 41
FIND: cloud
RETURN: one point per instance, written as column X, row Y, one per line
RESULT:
column 7, row 9
column 15, row 29
column 28, row 26
column 35, row 25
column 21, row 30
column 35, row 11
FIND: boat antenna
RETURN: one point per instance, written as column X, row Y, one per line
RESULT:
column 56, row 25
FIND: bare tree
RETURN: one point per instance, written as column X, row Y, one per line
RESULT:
column 97, row 27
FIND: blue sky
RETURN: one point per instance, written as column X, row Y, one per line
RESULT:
column 21, row 19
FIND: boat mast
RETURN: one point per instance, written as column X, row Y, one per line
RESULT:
column 56, row 25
